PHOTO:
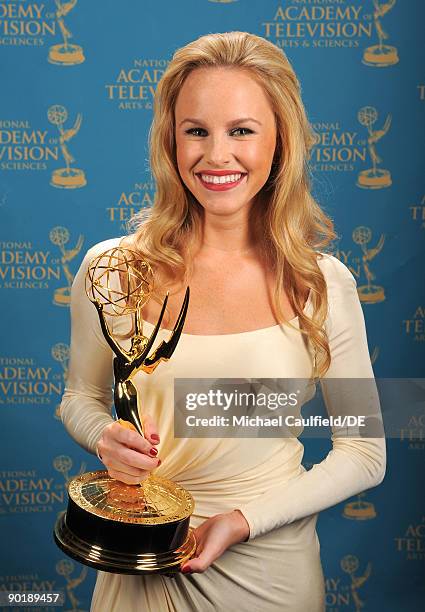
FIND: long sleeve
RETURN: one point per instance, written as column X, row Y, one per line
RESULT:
column 354, row 464
column 87, row 400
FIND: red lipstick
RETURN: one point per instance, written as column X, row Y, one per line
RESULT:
column 220, row 186
column 220, row 172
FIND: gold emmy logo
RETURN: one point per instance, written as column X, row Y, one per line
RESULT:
column 370, row 293
column 65, row 54
column 350, row 564
column 359, row 510
column 59, row 236
column 63, row 463
column 60, row 353
column 66, row 178
column 373, row 178
column 65, row 567
column 380, row 55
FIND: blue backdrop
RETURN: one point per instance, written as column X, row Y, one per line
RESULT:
column 76, row 106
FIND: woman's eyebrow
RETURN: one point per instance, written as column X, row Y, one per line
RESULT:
column 233, row 122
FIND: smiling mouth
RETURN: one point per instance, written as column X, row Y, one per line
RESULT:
column 219, row 183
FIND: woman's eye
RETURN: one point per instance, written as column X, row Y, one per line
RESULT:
column 201, row 132
column 247, row 131
column 193, row 130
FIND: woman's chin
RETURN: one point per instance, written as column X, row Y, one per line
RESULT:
column 223, row 208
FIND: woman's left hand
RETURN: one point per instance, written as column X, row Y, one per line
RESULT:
column 215, row 536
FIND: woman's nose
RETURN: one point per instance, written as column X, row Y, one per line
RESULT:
column 218, row 150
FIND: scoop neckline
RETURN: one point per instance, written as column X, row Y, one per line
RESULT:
column 244, row 333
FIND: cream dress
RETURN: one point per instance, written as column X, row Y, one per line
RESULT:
column 279, row 567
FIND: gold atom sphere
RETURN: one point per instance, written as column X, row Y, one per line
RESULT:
column 120, row 280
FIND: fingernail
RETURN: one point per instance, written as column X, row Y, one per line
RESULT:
column 153, row 452
column 159, row 463
column 155, row 437
column 186, row 570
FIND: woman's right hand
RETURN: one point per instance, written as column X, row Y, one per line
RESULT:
column 128, row 456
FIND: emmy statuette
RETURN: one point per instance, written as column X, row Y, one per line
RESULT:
column 109, row 525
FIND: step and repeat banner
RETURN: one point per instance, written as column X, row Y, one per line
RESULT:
column 77, row 88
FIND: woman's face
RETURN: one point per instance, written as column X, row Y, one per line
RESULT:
column 225, row 138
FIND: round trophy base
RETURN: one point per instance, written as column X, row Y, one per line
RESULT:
column 73, row 179
column 168, row 562
column 69, row 55
column 62, row 296
column 371, row 294
column 126, row 529
column 359, row 511
column 368, row 179
column 380, row 57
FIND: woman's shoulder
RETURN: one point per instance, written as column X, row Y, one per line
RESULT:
column 336, row 273
column 341, row 285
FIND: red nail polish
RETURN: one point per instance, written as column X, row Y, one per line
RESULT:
column 155, row 437
column 159, row 462
column 153, row 452
column 186, row 570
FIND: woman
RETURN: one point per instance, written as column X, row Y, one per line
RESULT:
column 233, row 218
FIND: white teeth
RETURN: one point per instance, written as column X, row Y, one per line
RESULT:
column 219, row 180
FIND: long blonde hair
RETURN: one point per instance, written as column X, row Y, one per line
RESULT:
column 293, row 226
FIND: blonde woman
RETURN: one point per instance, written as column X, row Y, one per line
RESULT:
column 233, row 218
